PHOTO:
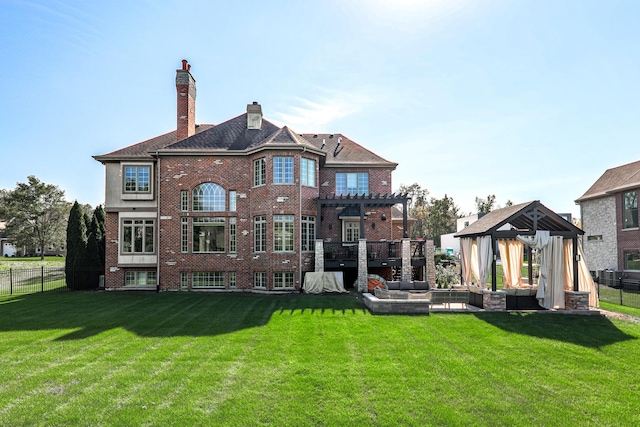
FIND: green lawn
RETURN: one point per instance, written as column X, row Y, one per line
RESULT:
column 90, row 358
column 30, row 262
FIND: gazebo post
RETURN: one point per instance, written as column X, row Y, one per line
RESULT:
column 530, row 264
column 493, row 263
column 575, row 264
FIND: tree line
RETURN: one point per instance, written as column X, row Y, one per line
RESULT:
column 435, row 217
column 36, row 216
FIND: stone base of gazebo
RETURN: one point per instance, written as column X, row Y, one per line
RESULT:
column 576, row 300
column 494, row 300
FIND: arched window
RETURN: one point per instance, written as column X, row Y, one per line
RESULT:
column 208, row 197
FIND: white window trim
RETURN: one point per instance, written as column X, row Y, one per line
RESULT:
column 136, row 259
column 131, row 195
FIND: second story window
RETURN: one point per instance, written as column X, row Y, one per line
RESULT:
column 630, row 209
column 137, row 179
column 283, row 170
column 308, row 172
column 259, row 172
column 352, row 183
column 208, row 197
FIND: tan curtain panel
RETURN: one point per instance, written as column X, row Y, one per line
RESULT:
column 511, row 252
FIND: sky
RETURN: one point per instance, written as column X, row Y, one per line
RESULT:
column 526, row 100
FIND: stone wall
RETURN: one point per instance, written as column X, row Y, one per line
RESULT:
column 576, row 300
column 599, row 241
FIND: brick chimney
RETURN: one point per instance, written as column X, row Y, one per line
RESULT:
column 186, row 88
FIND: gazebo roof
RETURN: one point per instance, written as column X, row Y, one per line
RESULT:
column 524, row 219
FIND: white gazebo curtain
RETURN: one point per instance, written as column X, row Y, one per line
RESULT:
column 511, row 252
column 552, row 272
column 477, row 256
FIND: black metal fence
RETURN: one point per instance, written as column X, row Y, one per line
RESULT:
column 44, row 279
column 619, row 295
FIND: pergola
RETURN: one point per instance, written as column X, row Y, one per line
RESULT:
column 524, row 219
column 365, row 200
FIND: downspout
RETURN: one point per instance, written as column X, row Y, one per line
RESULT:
column 158, row 222
column 304, row 149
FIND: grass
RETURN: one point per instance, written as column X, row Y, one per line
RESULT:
column 30, row 262
column 87, row 358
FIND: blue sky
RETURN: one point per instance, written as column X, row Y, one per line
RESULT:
column 522, row 99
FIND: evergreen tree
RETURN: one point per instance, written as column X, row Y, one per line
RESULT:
column 93, row 263
column 101, row 217
column 76, row 247
column 87, row 223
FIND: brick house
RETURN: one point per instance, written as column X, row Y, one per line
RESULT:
column 609, row 211
column 248, row 205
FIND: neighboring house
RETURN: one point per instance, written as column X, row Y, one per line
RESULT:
column 609, row 213
column 246, row 204
column 448, row 241
column 6, row 247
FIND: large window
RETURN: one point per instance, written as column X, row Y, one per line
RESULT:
column 140, row 278
column 137, row 236
column 308, row 232
column 350, row 231
column 260, row 233
column 630, row 210
column 283, row 170
column 283, row 233
column 208, row 197
column 308, row 172
column 137, row 179
column 207, row 279
column 632, row 261
column 208, row 235
column 283, row 280
column 259, row 172
column 352, row 183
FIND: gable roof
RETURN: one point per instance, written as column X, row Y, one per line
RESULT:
column 524, row 218
column 233, row 137
column 614, row 180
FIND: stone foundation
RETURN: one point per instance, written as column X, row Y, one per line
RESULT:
column 576, row 300
column 396, row 306
column 494, row 301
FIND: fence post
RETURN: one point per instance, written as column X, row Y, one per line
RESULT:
column 11, row 281
column 42, row 278
column 621, row 296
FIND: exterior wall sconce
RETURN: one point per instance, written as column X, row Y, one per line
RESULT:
column 373, row 225
column 384, row 217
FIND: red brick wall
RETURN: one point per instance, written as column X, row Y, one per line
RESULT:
column 232, row 173
column 177, row 173
column 628, row 239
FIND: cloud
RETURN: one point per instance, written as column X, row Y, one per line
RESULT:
column 315, row 115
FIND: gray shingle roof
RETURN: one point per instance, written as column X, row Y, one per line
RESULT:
column 520, row 217
column 614, row 180
column 233, row 135
column 142, row 149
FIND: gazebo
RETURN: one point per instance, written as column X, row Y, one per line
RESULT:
column 564, row 281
